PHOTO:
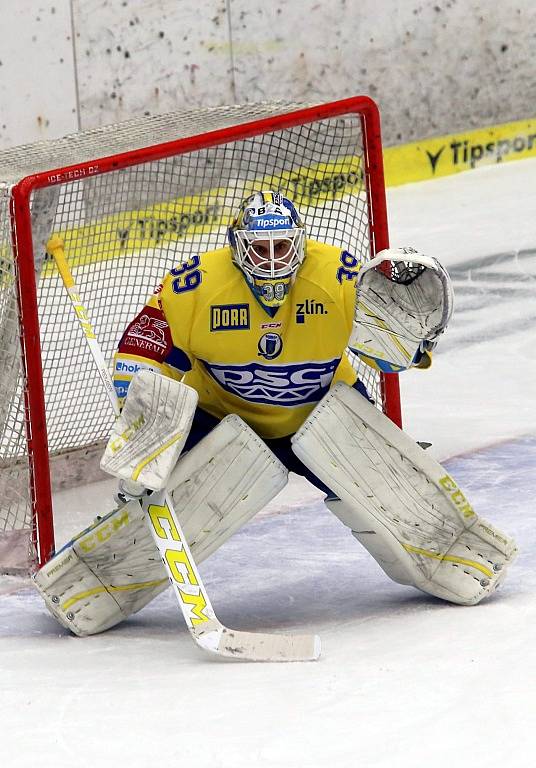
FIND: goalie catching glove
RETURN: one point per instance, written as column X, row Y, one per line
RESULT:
column 403, row 303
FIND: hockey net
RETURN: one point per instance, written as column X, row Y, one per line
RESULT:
column 130, row 201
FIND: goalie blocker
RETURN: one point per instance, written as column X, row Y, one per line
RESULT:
column 400, row 503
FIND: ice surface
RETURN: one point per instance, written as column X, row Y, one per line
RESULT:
column 404, row 680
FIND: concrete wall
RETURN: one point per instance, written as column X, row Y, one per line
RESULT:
column 434, row 67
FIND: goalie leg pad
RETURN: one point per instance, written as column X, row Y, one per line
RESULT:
column 109, row 571
column 400, row 503
column 113, row 568
column 222, row 483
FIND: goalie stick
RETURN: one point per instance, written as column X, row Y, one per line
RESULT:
column 205, row 628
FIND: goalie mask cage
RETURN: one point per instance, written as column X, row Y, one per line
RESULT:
column 130, row 201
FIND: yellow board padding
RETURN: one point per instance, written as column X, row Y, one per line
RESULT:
column 122, row 233
column 445, row 155
column 155, row 226
column 315, row 183
column 309, row 186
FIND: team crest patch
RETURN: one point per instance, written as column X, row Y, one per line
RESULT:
column 270, row 345
column 229, row 317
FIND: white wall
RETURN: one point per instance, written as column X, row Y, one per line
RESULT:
column 434, row 67
column 37, row 82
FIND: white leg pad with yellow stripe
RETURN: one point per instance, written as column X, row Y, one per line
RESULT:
column 400, row 503
column 222, row 483
column 113, row 568
column 109, row 571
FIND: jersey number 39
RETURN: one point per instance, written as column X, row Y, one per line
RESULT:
column 187, row 276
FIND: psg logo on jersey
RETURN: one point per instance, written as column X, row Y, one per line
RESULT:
column 270, row 345
column 289, row 385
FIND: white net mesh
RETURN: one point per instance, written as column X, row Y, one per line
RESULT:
column 123, row 230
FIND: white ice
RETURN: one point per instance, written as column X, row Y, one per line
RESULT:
column 404, row 679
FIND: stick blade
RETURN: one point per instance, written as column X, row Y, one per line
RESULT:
column 258, row 646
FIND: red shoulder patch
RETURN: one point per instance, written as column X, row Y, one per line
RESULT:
column 148, row 335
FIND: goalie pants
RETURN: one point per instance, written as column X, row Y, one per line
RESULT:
column 204, row 423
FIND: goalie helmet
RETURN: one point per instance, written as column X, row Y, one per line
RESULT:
column 267, row 239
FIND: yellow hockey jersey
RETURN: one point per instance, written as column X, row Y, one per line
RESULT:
column 204, row 324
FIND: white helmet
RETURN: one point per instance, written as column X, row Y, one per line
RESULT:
column 268, row 243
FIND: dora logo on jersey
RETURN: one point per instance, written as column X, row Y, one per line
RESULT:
column 229, row 317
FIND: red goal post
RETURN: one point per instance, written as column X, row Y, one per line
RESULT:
column 130, row 201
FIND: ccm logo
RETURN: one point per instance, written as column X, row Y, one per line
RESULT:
column 456, row 495
column 103, row 532
column 121, row 440
column 180, row 567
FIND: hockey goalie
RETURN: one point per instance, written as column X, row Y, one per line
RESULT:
column 235, row 373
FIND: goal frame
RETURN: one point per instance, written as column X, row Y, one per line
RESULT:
column 22, row 243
